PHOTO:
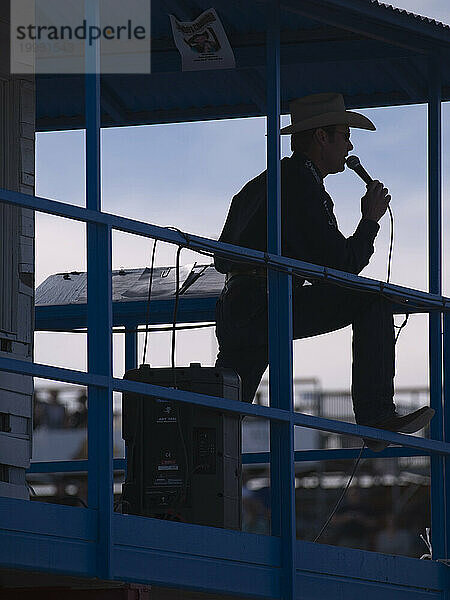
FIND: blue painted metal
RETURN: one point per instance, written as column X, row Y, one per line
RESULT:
column 69, row 466
column 59, row 466
column 422, row 300
column 446, row 373
column 257, row 458
column 48, row 519
column 280, row 327
column 307, row 45
column 100, row 413
column 218, row 562
column 54, row 373
column 438, row 512
column 99, row 337
column 327, row 572
column 59, row 539
column 95, row 542
column 250, row 458
column 128, row 314
column 131, row 362
column 415, row 298
column 190, row 310
column 78, row 377
column 131, row 357
column 47, row 537
column 63, row 541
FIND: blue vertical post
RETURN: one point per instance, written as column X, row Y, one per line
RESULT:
column 280, row 328
column 131, row 361
column 131, row 347
column 446, row 352
column 439, row 540
column 100, row 413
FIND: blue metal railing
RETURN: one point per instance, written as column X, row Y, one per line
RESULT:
column 251, row 458
column 438, row 513
column 101, row 384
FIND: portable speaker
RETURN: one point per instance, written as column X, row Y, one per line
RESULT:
column 183, row 461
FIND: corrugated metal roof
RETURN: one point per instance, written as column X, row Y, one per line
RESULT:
column 409, row 14
column 374, row 53
column 131, row 285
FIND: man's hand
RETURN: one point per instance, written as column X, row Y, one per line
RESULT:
column 375, row 202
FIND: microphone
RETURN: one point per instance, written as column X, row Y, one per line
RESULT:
column 354, row 163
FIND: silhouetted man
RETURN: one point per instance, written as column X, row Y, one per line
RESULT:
column 320, row 142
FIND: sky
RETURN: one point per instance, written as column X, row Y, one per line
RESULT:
column 138, row 178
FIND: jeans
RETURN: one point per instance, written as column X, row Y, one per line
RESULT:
column 241, row 330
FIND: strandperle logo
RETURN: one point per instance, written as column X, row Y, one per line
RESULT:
column 54, row 36
column 91, row 33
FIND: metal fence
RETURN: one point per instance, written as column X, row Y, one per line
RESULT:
column 96, row 542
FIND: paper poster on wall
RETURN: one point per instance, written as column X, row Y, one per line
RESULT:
column 203, row 43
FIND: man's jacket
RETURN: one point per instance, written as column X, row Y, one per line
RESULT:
column 309, row 227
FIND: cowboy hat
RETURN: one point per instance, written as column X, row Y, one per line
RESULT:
column 321, row 110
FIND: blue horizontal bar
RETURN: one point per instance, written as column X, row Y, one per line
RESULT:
column 234, row 406
column 74, row 316
column 188, row 538
column 281, row 415
column 351, row 453
column 58, row 466
column 42, row 518
column 194, row 242
column 190, row 310
column 324, row 569
column 363, row 431
column 69, row 466
column 81, row 378
column 256, row 458
column 13, row 365
column 59, row 539
column 249, row 458
column 209, row 559
column 131, row 314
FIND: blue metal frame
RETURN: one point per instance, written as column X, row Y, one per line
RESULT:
column 99, row 313
column 96, row 542
column 438, row 513
column 282, row 476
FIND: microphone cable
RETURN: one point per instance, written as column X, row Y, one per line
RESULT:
column 391, row 245
column 174, row 327
column 147, row 319
column 175, row 311
column 358, row 460
column 342, row 496
column 353, row 163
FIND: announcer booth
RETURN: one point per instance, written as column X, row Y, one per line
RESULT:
column 377, row 56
